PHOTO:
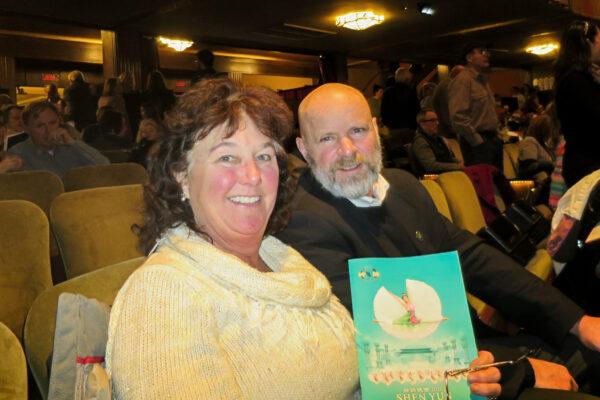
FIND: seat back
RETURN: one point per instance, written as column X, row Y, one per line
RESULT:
column 38, row 187
column 462, row 200
column 13, row 367
column 93, row 176
column 455, row 147
column 102, row 285
column 438, row 197
column 93, row 227
column 510, row 155
column 24, row 260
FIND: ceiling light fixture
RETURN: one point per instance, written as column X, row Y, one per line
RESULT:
column 425, row 8
column 177, row 45
column 542, row 49
column 359, row 20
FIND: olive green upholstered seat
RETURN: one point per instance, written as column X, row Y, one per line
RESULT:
column 102, row 285
column 38, row 187
column 93, row 227
column 24, row 260
column 13, row 368
column 94, row 176
column 438, row 197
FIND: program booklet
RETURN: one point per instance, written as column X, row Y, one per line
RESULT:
column 412, row 324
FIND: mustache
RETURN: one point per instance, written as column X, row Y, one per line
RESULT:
column 347, row 162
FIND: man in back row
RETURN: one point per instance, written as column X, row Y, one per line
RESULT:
column 347, row 207
column 50, row 147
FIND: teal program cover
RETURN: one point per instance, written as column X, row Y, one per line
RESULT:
column 412, row 324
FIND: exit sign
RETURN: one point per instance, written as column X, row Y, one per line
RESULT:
column 50, row 77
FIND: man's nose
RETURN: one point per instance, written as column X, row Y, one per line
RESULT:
column 347, row 146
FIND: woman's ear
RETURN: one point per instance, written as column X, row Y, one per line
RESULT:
column 182, row 179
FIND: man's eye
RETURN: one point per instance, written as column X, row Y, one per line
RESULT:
column 326, row 139
column 358, row 130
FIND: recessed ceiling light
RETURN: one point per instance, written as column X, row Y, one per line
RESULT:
column 425, row 8
column 175, row 44
column 542, row 49
column 359, row 20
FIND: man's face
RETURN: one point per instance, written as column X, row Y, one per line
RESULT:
column 39, row 128
column 341, row 142
column 479, row 58
column 430, row 122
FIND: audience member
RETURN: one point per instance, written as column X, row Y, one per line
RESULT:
column 429, row 151
column 113, row 98
column 536, row 160
column 147, row 141
column 472, row 109
column 517, row 93
column 425, row 95
column 81, row 108
column 399, row 107
column 109, row 133
column 221, row 309
column 346, row 207
column 577, row 91
column 157, row 94
column 53, row 96
column 12, row 122
column 375, row 102
column 206, row 60
column 50, row 147
column 440, row 101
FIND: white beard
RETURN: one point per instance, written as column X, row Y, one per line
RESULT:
column 355, row 186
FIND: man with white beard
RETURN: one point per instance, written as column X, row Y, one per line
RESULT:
column 347, row 207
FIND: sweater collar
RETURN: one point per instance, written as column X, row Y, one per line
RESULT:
column 293, row 282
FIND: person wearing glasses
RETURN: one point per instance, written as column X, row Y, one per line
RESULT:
column 577, row 91
column 429, row 152
column 473, row 110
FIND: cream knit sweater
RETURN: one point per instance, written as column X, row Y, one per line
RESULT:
column 197, row 323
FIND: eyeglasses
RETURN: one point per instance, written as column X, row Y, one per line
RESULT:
column 430, row 120
column 461, row 371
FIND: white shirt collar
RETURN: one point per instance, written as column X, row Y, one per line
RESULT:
column 380, row 188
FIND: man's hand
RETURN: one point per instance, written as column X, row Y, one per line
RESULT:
column 61, row 136
column 587, row 329
column 485, row 382
column 549, row 375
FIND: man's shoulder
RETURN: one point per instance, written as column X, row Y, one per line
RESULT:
column 399, row 177
column 21, row 148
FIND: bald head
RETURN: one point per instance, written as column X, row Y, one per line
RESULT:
column 324, row 101
column 339, row 140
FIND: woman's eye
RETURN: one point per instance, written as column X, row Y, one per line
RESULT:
column 264, row 157
column 226, row 159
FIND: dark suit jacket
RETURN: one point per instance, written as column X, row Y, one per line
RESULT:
column 328, row 231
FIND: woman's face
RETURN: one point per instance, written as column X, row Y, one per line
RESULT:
column 149, row 132
column 231, row 184
column 15, row 122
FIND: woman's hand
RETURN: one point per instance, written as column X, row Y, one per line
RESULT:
column 10, row 162
column 486, row 381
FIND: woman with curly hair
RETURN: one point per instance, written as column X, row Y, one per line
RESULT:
column 221, row 309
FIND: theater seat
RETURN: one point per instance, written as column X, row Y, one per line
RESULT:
column 438, row 197
column 94, row 176
column 93, row 227
column 102, row 284
column 455, row 147
column 466, row 213
column 462, row 200
column 24, row 260
column 13, row 367
column 38, row 187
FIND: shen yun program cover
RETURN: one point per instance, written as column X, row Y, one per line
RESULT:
column 412, row 324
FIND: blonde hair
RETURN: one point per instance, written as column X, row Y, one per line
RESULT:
column 145, row 122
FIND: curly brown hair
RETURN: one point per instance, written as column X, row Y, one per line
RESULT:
column 210, row 103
